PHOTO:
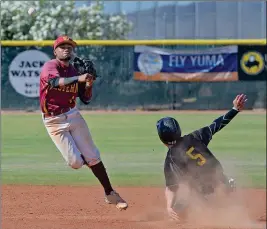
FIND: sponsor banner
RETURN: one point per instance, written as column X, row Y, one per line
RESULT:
column 212, row 64
column 252, row 62
column 24, row 72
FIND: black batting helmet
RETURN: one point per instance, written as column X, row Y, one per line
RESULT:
column 168, row 130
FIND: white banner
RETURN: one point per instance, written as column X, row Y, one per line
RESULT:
column 24, row 72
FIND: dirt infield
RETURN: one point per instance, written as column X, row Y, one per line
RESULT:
column 57, row 207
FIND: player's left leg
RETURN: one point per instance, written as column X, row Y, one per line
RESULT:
column 228, row 183
column 83, row 139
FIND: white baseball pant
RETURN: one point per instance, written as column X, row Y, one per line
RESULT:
column 71, row 135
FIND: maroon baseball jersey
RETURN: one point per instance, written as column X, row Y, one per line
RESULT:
column 54, row 100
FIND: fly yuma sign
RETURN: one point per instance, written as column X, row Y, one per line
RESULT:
column 24, row 72
column 210, row 64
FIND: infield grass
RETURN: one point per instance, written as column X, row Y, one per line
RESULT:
column 130, row 149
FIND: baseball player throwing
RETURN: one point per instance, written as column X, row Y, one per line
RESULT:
column 60, row 85
column 189, row 160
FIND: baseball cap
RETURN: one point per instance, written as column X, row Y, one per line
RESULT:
column 64, row 40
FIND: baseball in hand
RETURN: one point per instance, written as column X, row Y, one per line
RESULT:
column 31, row 10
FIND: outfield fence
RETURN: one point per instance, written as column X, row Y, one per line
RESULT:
column 116, row 87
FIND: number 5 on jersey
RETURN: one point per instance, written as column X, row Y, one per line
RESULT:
column 200, row 162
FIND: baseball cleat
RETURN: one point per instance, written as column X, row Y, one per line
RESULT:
column 232, row 184
column 114, row 198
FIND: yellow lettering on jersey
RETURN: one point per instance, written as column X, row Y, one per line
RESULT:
column 202, row 160
column 72, row 88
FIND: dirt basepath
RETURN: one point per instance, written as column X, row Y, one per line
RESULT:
column 57, row 207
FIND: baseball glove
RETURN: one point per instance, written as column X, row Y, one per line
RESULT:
column 84, row 66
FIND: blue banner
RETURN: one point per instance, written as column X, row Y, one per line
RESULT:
column 156, row 64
